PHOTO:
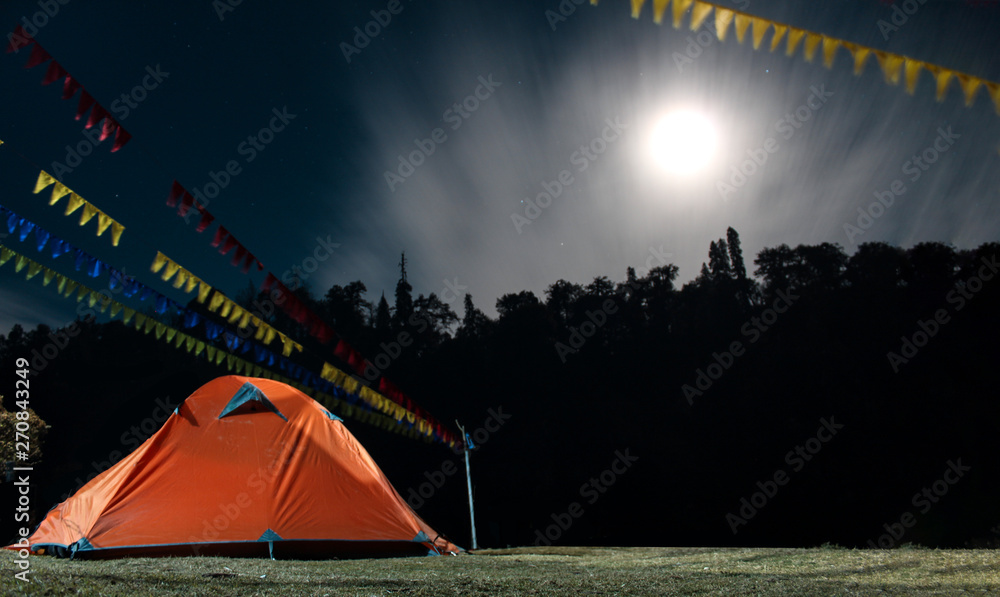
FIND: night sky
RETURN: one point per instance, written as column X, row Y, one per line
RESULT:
column 549, row 89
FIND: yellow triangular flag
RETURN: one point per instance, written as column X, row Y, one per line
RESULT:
column 210, row 352
column 140, row 319
column 34, row 268
column 20, row 262
column 81, row 292
column 230, row 361
column 994, row 91
column 74, row 203
column 970, row 85
column 912, row 68
column 269, row 335
column 779, row 34
column 723, row 17
column 44, row 180
column 699, row 13
column 116, row 233
column 189, row 343
column 171, row 332
column 158, row 262
column 192, row 283
column 150, row 325
column 169, row 271
column 60, row 286
column 742, row 24
column 680, row 7
column 794, row 37
column 245, row 319
column 203, row 290
column 182, row 277
column 116, row 308
column 127, row 314
column 659, row 7
column 58, row 192
column 892, row 66
column 637, row 8
column 812, row 42
column 198, row 348
column 89, row 211
column 942, row 76
column 160, row 330
column 5, row 255
column 860, row 55
column 227, row 306
column 179, row 339
column 218, row 299
column 830, row 46
column 237, row 312
column 70, row 287
column 260, row 329
column 47, row 278
column 759, row 29
column 103, row 222
column 219, row 355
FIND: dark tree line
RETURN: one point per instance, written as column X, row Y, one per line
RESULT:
column 716, row 388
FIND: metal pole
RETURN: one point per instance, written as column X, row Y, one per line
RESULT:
column 468, row 479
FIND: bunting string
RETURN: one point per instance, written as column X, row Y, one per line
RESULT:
column 19, row 38
column 895, row 67
column 350, row 399
column 75, row 202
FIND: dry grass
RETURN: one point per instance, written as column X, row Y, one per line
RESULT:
column 575, row 571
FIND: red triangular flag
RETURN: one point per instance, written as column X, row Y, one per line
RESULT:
column 109, row 127
column 206, row 219
column 54, row 73
column 186, row 201
column 85, row 103
column 248, row 262
column 70, row 85
column 238, row 255
column 19, row 39
column 38, row 56
column 121, row 138
column 228, row 245
column 96, row 115
column 269, row 280
column 220, row 235
column 176, row 191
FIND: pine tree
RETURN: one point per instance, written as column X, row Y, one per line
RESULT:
column 404, row 298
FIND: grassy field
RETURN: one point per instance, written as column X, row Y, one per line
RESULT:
column 575, row 571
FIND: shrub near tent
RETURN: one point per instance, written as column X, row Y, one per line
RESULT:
column 243, row 467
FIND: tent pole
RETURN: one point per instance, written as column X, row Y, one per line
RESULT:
column 468, row 479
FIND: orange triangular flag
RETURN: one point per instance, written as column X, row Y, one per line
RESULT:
column 699, row 13
column 637, row 8
column 659, row 7
column 912, row 69
column 779, row 33
column 680, row 7
column 830, row 46
column 759, row 29
column 994, row 91
column 742, row 24
column 970, row 85
column 860, row 55
column 723, row 17
column 812, row 42
column 892, row 66
column 794, row 37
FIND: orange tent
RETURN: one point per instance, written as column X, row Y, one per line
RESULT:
column 245, row 466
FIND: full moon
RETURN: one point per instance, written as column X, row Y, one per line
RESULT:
column 683, row 143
